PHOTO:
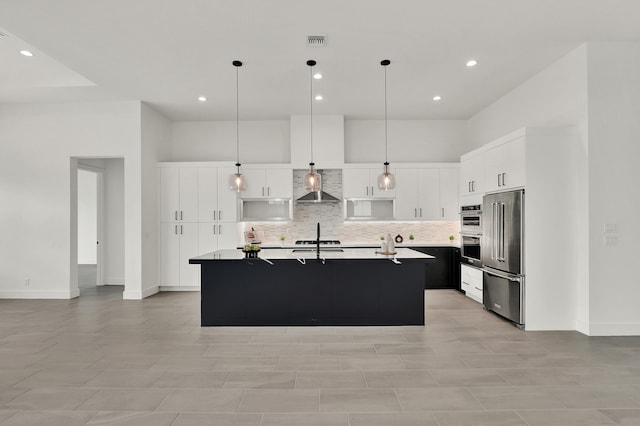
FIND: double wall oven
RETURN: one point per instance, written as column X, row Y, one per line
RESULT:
column 471, row 235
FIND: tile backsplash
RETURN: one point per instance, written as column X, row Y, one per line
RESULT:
column 333, row 225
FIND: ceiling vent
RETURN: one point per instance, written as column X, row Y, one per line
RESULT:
column 316, row 41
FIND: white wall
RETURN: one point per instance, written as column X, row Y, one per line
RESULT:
column 38, row 189
column 260, row 141
column 155, row 146
column 87, row 217
column 113, row 222
column 408, row 141
column 614, row 175
column 556, row 96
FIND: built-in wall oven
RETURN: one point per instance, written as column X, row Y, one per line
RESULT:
column 471, row 235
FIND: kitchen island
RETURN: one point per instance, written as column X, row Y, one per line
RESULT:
column 292, row 288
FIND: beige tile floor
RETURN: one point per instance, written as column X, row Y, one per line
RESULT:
column 99, row 360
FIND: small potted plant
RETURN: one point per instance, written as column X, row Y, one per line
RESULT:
column 282, row 238
column 411, row 238
column 451, row 238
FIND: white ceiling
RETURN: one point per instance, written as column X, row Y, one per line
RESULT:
column 168, row 52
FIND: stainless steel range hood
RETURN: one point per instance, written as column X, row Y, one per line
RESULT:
column 317, row 197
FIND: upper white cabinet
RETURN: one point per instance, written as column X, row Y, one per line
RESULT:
column 178, row 194
column 217, row 202
column 472, row 174
column 267, row 183
column 449, row 194
column 505, row 165
column 328, row 141
column 363, row 183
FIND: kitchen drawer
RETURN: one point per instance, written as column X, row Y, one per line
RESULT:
column 471, row 282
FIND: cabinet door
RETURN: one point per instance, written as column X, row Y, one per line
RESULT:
column 169, row 254
column 279, row 183
column 355, row 183
column 188, row 194
column 449, row 194
column 207, row 194
column 472, row 175
column 407, row 194
column 227, row 198
column 429, row 194
column 207, row 237
column 169, row 194
column 227, row 235
column 504, row 167
column 189, row 274
column 255, row 183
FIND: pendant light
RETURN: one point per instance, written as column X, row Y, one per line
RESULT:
column 386, row 180
column 237, row 182
column 312, row 181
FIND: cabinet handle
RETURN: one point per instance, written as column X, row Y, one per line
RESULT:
column 220, row 229
column 214, row 230
column 443, row 212
column 469, row 186
column 180, row 229
column 372, row 191
column 176, row 214
column 180, row 214
column 176, row 230
column 479, row 289
column 367, row 190
column 420, row 211
column 473, row 186
column 214, row 215
column 415, row 212
column 263, row 191
column 503, row 175
column 219, row 214
column 268, row 190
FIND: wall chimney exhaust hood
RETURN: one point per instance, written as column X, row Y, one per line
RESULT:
column 317, row 197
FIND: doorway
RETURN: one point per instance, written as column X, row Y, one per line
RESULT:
column 99, row 222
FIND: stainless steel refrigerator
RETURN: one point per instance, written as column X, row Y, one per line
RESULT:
column 503, row 254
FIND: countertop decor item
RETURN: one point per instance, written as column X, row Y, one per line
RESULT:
column 399, row 239
column 237, row 180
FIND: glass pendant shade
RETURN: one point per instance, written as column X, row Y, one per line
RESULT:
column 236, row 181
column 386, row 179
column 312, row 180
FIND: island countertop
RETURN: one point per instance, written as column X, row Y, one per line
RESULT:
column 309, row 253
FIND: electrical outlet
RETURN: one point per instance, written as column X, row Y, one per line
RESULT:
column 27, row 282
column 610, row 240
column 610, row 228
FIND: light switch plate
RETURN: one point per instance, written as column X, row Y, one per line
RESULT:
column 610, row 240
column 610, row 228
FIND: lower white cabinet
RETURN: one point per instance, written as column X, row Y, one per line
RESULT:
column 178, row 243
column 216, row 236
column 471, row 282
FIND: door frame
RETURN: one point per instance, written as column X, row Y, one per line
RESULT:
column 99, row 171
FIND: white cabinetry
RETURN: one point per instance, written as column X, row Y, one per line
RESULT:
column 471, row 282
column 198, row 214
column 363, row 183
column 267, row 183
column 427, row 194
column 472, row 174
column 505, row 165
column 179, row 242
column 178, row 194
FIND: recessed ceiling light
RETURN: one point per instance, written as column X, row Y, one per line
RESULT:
column 317, row 76
column 318, row 97
column 437, row 98
column 202, row 99
column 472, row 63
column 26, row 53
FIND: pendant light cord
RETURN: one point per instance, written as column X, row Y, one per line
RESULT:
column 237, row 119
column 311, row 109
column 386, row 160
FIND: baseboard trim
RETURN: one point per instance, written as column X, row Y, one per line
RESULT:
column 180, row 288
column 39, row 294
column 139, row 295
column 613, row 329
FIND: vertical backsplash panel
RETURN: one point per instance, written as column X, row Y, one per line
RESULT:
column 331, row 218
